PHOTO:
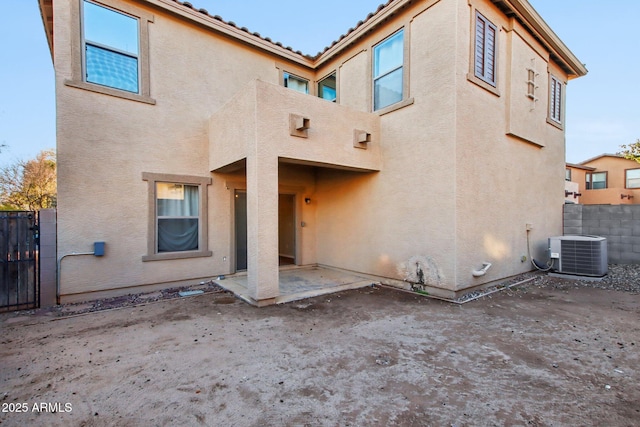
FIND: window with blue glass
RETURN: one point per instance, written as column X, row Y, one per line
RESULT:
column 111, row 48
column 388, row 63
column 327, row 88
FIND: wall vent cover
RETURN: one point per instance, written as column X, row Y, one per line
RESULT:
column 580, row 255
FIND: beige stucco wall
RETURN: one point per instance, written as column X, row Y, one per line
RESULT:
column 105, row 143
column 268, row 109
column 378, row 222
column 448, row 182
column 503, row 182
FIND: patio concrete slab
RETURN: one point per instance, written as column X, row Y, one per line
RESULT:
column 298, row 283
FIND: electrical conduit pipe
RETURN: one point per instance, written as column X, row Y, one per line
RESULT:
column 98, row 251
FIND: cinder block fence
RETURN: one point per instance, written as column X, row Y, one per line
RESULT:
column 620, row 224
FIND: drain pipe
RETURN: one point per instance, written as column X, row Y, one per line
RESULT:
column 98, row 250
column 485, row 267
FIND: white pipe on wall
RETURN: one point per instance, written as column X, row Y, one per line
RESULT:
column 478, row 273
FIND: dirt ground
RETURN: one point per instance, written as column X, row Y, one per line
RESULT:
column 528, row 356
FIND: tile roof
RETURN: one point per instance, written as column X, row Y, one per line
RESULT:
column 519, row 8
column 267, row 39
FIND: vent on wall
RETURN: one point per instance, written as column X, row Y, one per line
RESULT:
column 580, row 255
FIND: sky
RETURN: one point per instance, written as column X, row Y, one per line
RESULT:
column 603, row 108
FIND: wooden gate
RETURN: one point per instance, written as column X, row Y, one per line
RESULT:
column 19, row 277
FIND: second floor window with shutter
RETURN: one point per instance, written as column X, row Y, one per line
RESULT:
column 485, row 50
column 555, row 100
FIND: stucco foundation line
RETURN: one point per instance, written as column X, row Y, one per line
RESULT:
column 141, row 304
column 522, row 282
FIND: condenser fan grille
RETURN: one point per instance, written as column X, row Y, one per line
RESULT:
column 581, row 257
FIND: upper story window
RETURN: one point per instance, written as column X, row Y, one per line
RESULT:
column 555, row 100
column 485, row 50
column 632, row 178
column 296, row 83
column 111, row 48
column 388, row 64
column 327, row 88
column 567, row 174
column 596, row 180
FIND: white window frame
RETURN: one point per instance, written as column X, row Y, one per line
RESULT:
column 401, row 67
column 626, row 178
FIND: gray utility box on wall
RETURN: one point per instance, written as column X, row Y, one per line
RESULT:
column 579, row 255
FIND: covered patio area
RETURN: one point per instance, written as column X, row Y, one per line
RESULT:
column 281, row 138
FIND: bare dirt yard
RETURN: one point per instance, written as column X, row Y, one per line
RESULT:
column 533, row 355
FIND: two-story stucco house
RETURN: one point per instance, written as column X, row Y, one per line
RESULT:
column 605, row 179
column 413, row 148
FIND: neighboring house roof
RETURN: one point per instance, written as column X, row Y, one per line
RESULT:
column 601, row 156
column 521, row 10
column 587, row 168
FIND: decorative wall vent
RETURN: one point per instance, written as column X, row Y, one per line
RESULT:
column 361, row 138
column 299, row 125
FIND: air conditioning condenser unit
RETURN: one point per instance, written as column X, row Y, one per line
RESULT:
column 579, row 255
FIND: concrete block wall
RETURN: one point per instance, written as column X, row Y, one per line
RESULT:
column 620, row 224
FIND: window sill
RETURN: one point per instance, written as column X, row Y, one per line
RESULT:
column 555, row 124
column 176, row 255
column 110, row 91
column 394, row 107
column 484, row 85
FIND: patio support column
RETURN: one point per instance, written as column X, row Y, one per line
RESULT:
column 262, row 225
